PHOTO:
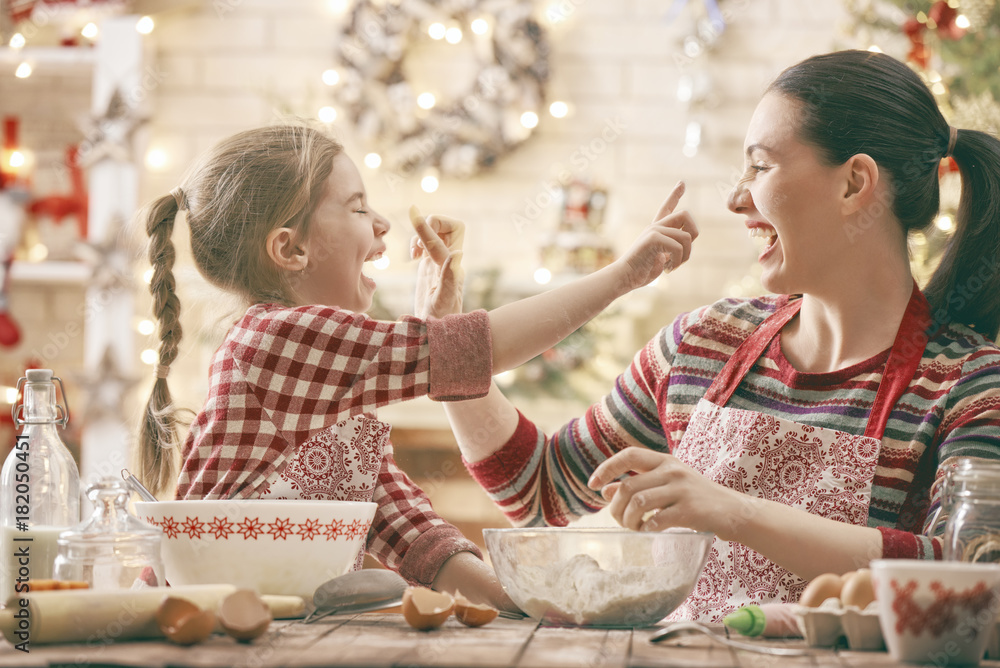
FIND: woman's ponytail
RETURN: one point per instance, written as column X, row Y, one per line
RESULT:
column 965, row 288
column 158, row 437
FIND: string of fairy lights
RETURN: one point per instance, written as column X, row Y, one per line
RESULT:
column 411, row 133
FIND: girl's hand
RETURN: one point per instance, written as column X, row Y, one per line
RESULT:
column 465, row 572
column 666, row 493
column 440, row 275
column 663, row 246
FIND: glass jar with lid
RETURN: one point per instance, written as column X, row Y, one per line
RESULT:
column 113, row 549
column 970, row 511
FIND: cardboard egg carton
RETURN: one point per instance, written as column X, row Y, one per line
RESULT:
column 832, row 620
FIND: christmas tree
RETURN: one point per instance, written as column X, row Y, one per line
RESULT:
column 954, row 45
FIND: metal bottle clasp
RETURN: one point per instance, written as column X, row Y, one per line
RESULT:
column 62, row 414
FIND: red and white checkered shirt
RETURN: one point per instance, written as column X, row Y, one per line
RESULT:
column 285, row 377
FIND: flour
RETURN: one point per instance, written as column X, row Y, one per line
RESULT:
column 579, row 592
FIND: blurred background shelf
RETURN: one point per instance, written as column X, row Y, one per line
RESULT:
column 53, row 55
column 54, row 272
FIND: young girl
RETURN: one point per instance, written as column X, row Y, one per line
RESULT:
column 279, row 216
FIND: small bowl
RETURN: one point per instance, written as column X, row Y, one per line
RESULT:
column 595, row 576
column 283, row 547
column 938, row 612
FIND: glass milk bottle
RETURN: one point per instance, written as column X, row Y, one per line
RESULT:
column 39, row 487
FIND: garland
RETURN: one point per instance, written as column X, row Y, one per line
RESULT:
column 459, row 137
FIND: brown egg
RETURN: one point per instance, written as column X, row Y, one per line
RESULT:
column 822, row 587
column 425, row 609
column 183, row 622
column 858, row 590
column 243, row 615
column 473, row 614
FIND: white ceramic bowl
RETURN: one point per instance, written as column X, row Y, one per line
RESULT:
column 274, row 547
column 596, row 576
column 937, row 612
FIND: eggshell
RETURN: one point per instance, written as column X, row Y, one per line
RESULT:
column 858, row 590
column 243, row 615
column 473, row 614
column 425, row 609
column 183, row 622
column 822, row 587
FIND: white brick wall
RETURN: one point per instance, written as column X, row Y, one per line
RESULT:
column 226, row 65
column 609, row 60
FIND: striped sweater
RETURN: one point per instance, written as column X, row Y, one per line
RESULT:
column 950, row 409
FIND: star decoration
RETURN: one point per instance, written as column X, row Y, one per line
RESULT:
column 109, row 136
column 110, row 261
column 105, row 389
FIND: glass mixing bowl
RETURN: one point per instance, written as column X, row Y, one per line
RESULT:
column 597, row 576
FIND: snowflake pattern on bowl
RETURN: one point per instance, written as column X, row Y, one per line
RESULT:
column 252, row 528
column 948, row 609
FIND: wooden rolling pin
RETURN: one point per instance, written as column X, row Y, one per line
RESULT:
column 100, row 617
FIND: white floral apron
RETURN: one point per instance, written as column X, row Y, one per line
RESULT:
column 339, row 463
column 821, row 471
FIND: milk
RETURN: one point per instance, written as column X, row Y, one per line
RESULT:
column 42, row 550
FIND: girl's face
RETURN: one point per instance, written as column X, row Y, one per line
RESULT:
column 344, row 233
column 790, row 200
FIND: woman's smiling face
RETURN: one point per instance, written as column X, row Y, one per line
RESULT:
column 790, row 199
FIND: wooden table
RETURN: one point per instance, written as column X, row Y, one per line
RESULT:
column 380, row 639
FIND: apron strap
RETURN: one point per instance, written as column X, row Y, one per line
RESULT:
column 746, row 355
column 907, row 351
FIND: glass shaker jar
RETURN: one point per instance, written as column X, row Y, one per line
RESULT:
column 970, row 510
column 39, row 486
column 113, row 549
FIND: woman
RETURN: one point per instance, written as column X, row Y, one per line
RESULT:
column 804, row 431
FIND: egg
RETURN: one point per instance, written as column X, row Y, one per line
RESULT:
column 183, row 622
column 858, row 590
column 243, row 615
column 473, row 614
column 822, row 587
column 425, row 609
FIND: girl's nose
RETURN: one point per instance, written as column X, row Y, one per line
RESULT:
column 382, row 224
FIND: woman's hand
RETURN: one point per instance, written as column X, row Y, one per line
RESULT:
column 663, row 246
column 665, row 493
column 440, row 275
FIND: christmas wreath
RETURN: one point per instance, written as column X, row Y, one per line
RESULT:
column 412, row 132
